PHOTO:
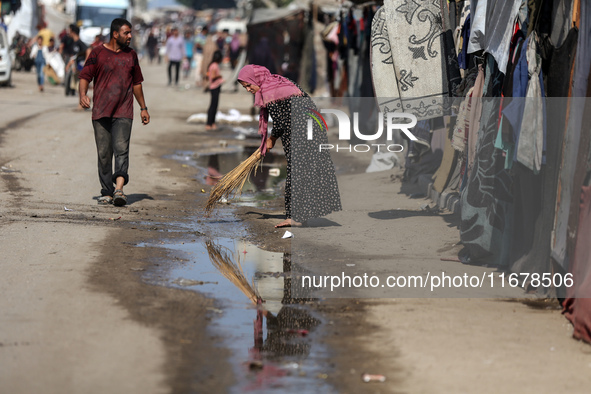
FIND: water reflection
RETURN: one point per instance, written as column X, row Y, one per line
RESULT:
column 278, row 354
column 229, row 265
column 268, row 177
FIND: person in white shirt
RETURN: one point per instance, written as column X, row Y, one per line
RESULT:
column 40, row 55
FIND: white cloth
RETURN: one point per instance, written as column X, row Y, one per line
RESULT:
column 500, row 24
column 531, row 138
column 477, row 26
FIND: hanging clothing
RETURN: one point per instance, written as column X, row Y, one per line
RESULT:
column 571, row 143
column 460, row 131
column 533, row 126
column 463, row 56
column 500, row 19
column 477, row 32
column 383, row 72
column 535, row 205
column 463, row 15
column 448, row 163
column 486, row 201
column 415, row 42
column 562, row 17
column 474, row 111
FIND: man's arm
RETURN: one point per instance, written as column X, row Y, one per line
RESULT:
column 139, row 96
column 84, row 99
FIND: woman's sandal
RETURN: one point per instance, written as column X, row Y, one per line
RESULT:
column 119, row 199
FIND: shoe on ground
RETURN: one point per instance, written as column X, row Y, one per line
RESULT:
column 119, row 199
column 105, row 200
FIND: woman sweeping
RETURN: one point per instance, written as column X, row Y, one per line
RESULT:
column 311, row 188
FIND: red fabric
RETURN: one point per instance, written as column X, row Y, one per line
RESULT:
column 273, row 87
column 577, row 306
column 114, row 75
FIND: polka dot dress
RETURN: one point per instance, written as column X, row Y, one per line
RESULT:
column 311, row 188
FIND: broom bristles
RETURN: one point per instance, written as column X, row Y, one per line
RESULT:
column 233, row 182
column 223, row 259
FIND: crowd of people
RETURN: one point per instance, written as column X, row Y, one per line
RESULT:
column 56, row 58
column 189, row 50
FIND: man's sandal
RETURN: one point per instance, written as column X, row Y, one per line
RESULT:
column 105, row 200
column 119, row 199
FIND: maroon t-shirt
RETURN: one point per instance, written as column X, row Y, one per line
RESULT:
column 114, row 75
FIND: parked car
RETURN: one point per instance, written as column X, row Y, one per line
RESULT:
column 5, row 62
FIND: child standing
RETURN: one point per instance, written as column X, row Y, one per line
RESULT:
column 215, row 81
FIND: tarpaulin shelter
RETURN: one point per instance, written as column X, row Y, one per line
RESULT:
column 276, row 40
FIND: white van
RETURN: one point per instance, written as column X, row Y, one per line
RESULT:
column 5, row 63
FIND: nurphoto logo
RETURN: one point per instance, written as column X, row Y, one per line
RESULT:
column 394, row 121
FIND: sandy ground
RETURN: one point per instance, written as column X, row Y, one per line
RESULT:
column 76, row 315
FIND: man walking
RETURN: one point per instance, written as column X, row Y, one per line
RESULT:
column 175, row 51
column 117, row 76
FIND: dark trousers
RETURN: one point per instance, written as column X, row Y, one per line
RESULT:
column 177, row 66
column 213, row 106
column 112, row 137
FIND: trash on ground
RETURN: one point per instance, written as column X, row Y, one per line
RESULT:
column 287, row 235
column 190, row 282
column 137, row 269
column 350, row 265
column 67, row 209
column 382, row 161
column 366, row 377
column 115, row 218
column 233, row 117
column 244, row 132
column 426, row 207
column 274, row 172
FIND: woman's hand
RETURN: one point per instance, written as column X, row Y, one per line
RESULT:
column 271, row 142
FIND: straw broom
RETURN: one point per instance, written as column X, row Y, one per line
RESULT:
column 223, row 259
column 233, row 182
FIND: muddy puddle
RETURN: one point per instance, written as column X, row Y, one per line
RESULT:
column 274, row 343
column 215, row 160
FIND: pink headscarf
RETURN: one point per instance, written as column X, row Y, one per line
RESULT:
column 272, row 88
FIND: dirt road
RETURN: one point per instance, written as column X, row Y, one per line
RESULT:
column 77, row 316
